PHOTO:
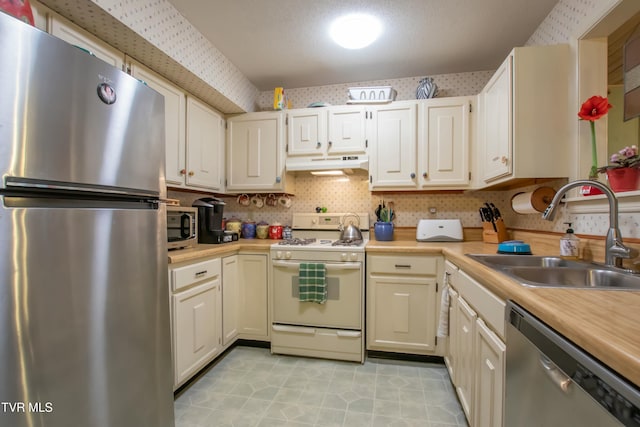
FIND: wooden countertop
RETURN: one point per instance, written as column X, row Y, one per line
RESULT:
column 222, row 249
column 604, row 323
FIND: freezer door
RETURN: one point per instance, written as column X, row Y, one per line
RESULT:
column 66, row 116
column 84, row 318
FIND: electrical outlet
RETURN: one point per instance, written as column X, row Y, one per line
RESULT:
column 432, row 210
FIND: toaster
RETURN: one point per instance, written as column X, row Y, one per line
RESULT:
column 439, row 230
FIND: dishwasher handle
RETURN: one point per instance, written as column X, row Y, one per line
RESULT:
column 559, row 378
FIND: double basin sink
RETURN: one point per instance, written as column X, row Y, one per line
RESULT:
column 545, row 271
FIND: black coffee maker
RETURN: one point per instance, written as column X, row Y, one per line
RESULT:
column 210, row 220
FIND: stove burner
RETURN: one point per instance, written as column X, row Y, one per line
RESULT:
column 296, row 241
column 347, row 242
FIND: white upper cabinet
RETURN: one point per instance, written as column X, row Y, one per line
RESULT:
column 393, row 137
column 194, row 135
column 71, row 33
column 443, row 142
column 175, row 121
column 255, row 147
column 307, row 132
column 347, row 130
column 322, row 132
column 205, row 146
column 525, row 120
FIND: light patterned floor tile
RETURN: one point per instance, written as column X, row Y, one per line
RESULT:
column 250, row 387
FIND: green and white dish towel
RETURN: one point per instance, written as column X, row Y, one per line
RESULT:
column 312, row 282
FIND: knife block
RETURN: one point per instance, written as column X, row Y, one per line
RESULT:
column 489, row 235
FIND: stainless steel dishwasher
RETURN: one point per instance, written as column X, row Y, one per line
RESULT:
column 550, row 382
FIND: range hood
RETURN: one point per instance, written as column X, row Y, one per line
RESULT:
column 348, row 164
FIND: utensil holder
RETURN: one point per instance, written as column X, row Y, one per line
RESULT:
column 383, row 231
column 489, row 235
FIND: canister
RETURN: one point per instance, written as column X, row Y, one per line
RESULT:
column 233, row 225
column 262, row 230
column 275, row 231
column 249, row 229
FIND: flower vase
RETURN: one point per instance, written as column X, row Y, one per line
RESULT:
column 383, row 231
column 624, row 179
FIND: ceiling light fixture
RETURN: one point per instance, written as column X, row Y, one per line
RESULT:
column 355, row 31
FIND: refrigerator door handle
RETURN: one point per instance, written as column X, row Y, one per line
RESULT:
column 30, row 185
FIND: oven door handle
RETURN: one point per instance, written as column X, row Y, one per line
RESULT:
column 294, row 329
column 328, row 266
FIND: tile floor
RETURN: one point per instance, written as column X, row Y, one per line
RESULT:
column 251, row 387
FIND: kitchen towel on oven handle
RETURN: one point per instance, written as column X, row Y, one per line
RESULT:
column 312, row 282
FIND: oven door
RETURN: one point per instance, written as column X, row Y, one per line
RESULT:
column 343, row 308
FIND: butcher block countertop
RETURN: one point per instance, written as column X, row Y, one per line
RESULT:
column 222, row 249
column 604, row 323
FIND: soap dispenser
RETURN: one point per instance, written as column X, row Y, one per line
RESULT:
column 569, row 244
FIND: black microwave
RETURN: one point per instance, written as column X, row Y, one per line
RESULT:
column 182, row 227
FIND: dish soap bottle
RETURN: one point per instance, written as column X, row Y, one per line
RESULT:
column 569, row 244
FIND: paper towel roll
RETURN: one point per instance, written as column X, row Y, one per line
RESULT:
column 532, row 202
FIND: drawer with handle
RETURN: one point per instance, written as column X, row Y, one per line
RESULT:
column 183, row 277
column 403, row 264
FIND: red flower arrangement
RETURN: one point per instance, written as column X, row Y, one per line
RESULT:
column 592, row 109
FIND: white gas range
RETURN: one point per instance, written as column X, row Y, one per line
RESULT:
column 328, row 327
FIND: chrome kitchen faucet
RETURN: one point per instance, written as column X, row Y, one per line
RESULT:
column 615, row 250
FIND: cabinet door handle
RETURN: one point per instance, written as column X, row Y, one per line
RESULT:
column 403, row 265
column 330, row 143
column 191, row 173
column 183, row 171
column 504, row 160
column 425, row 175
column 201, row 273
column 318, row 144
column 413, row 175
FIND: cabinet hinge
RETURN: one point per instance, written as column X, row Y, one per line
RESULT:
column 470, row 107
column 286, row 148
column 437, row 286
column 436, row 340
column 469, row 176
column 286, row 121
column 370, row 179
column 226, row 125
column 366, row 143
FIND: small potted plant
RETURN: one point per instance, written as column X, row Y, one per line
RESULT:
column 623, row 172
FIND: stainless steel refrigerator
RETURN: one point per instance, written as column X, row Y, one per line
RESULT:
column 84, row 305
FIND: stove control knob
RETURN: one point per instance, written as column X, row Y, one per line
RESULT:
column 278, row 254
column 287, row 255
column 343, row 256
column 354, row 256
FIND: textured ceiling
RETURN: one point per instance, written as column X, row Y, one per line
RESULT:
column 285, row 42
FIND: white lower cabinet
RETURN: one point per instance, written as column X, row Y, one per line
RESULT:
column 401, row 303
column 253, row 319
column 489, row 393
column 196, row 316
column 466, row 323
column 475, row 356
column 244, row 297
column 230, row 291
